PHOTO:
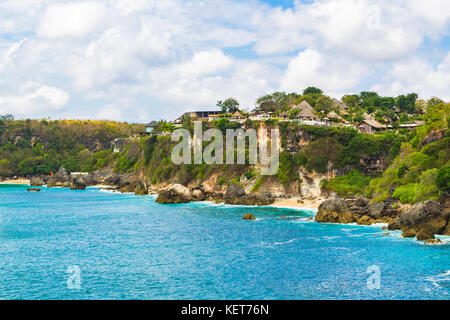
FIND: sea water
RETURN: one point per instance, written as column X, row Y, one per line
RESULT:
column 92, row 244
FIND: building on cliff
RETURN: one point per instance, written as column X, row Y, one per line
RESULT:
column 370, row 126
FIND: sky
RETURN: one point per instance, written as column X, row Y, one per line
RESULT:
column 143, row 60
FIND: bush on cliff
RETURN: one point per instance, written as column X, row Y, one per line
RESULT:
column 353, row 183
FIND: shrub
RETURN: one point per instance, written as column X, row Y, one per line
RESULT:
column 352, row 184
column 443, row 178
column 257, row 184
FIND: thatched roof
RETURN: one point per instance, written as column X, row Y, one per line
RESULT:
column 306, row 110
column 333, row 115
column 152, row 124
column 237, row 114
column 374, row 124
column 367, row 116
column 339, row 104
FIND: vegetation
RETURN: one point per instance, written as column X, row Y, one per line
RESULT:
column 418, row 161
column 34, row 147
column 352, row 184
column 420, row 172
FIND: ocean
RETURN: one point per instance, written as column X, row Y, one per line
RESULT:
column 94, row 244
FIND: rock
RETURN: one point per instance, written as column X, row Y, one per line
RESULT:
column 334, row 210
column 386, row 234
column 233, row 192
column 34, row 189
column 36, row 181
column 253, row 200
column 248, row 216
column 424, row 220
column 434, row 135
column 141, row 188
column 376, row 210
column 175, row 193
column 60, row 179
column 197, row 195
column 393, row 225
column 383, row 228
column 78, row 183
column 433, row 241
column 365, row 220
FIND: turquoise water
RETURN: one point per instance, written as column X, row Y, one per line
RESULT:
column 129, row 247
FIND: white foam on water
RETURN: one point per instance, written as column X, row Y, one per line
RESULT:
column 281, row 243
column 436, row 280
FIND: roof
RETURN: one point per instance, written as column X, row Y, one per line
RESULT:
column 152, row 123
column 306, row 110
column 373, row 123
column 332, row 115
column 237, row 114
column 339, row 104
column 367, row 116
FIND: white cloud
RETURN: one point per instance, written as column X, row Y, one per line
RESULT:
column 73, row 19
column 34, row 99
column 110, row 112
column 157, row 58
column 417, row 75
column 311, row 68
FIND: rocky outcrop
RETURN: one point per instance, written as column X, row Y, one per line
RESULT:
column 232, row 193
column 78, row 183
column 433, row 136
column 337, row 210
column 236, row 195
column 248, row 216
column 198, row 195
column 424, row 220
column 60, row 179
column 175, row 193
column 141, row 188
column 37, row 181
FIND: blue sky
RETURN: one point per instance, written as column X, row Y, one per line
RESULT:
column 142, row 60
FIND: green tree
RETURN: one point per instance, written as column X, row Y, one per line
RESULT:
column 230, row 105
column 312, row 90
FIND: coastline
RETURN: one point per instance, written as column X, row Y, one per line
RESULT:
column 17, row 181
column 297, row 203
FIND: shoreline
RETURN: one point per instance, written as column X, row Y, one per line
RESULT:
column 296, row 203
column 17, row 181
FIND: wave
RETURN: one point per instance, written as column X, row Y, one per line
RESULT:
column 438, row 279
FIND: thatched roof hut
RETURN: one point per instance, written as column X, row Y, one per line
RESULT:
column 306, row 110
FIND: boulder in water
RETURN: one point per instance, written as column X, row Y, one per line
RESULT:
column 334, row 210
column 175, row 193
column 248, row 216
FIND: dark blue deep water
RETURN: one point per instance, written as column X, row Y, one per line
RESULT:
column 129, row 247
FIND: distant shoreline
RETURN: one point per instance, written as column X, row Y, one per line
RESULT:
column 16, row 181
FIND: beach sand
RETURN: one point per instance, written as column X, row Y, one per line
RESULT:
column 18, row 181
column 297, row 203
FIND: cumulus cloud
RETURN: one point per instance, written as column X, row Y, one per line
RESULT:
column 418, row 75
column 73, row 19
column 311, row 68
column 34, row 99
column 132, row 59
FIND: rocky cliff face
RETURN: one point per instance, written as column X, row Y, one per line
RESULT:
column 338, row 210
column 425, row 219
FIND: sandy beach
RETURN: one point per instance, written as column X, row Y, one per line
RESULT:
column 296, row 203
column 18, row 181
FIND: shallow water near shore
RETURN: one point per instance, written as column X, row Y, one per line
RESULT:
column 129, row 247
